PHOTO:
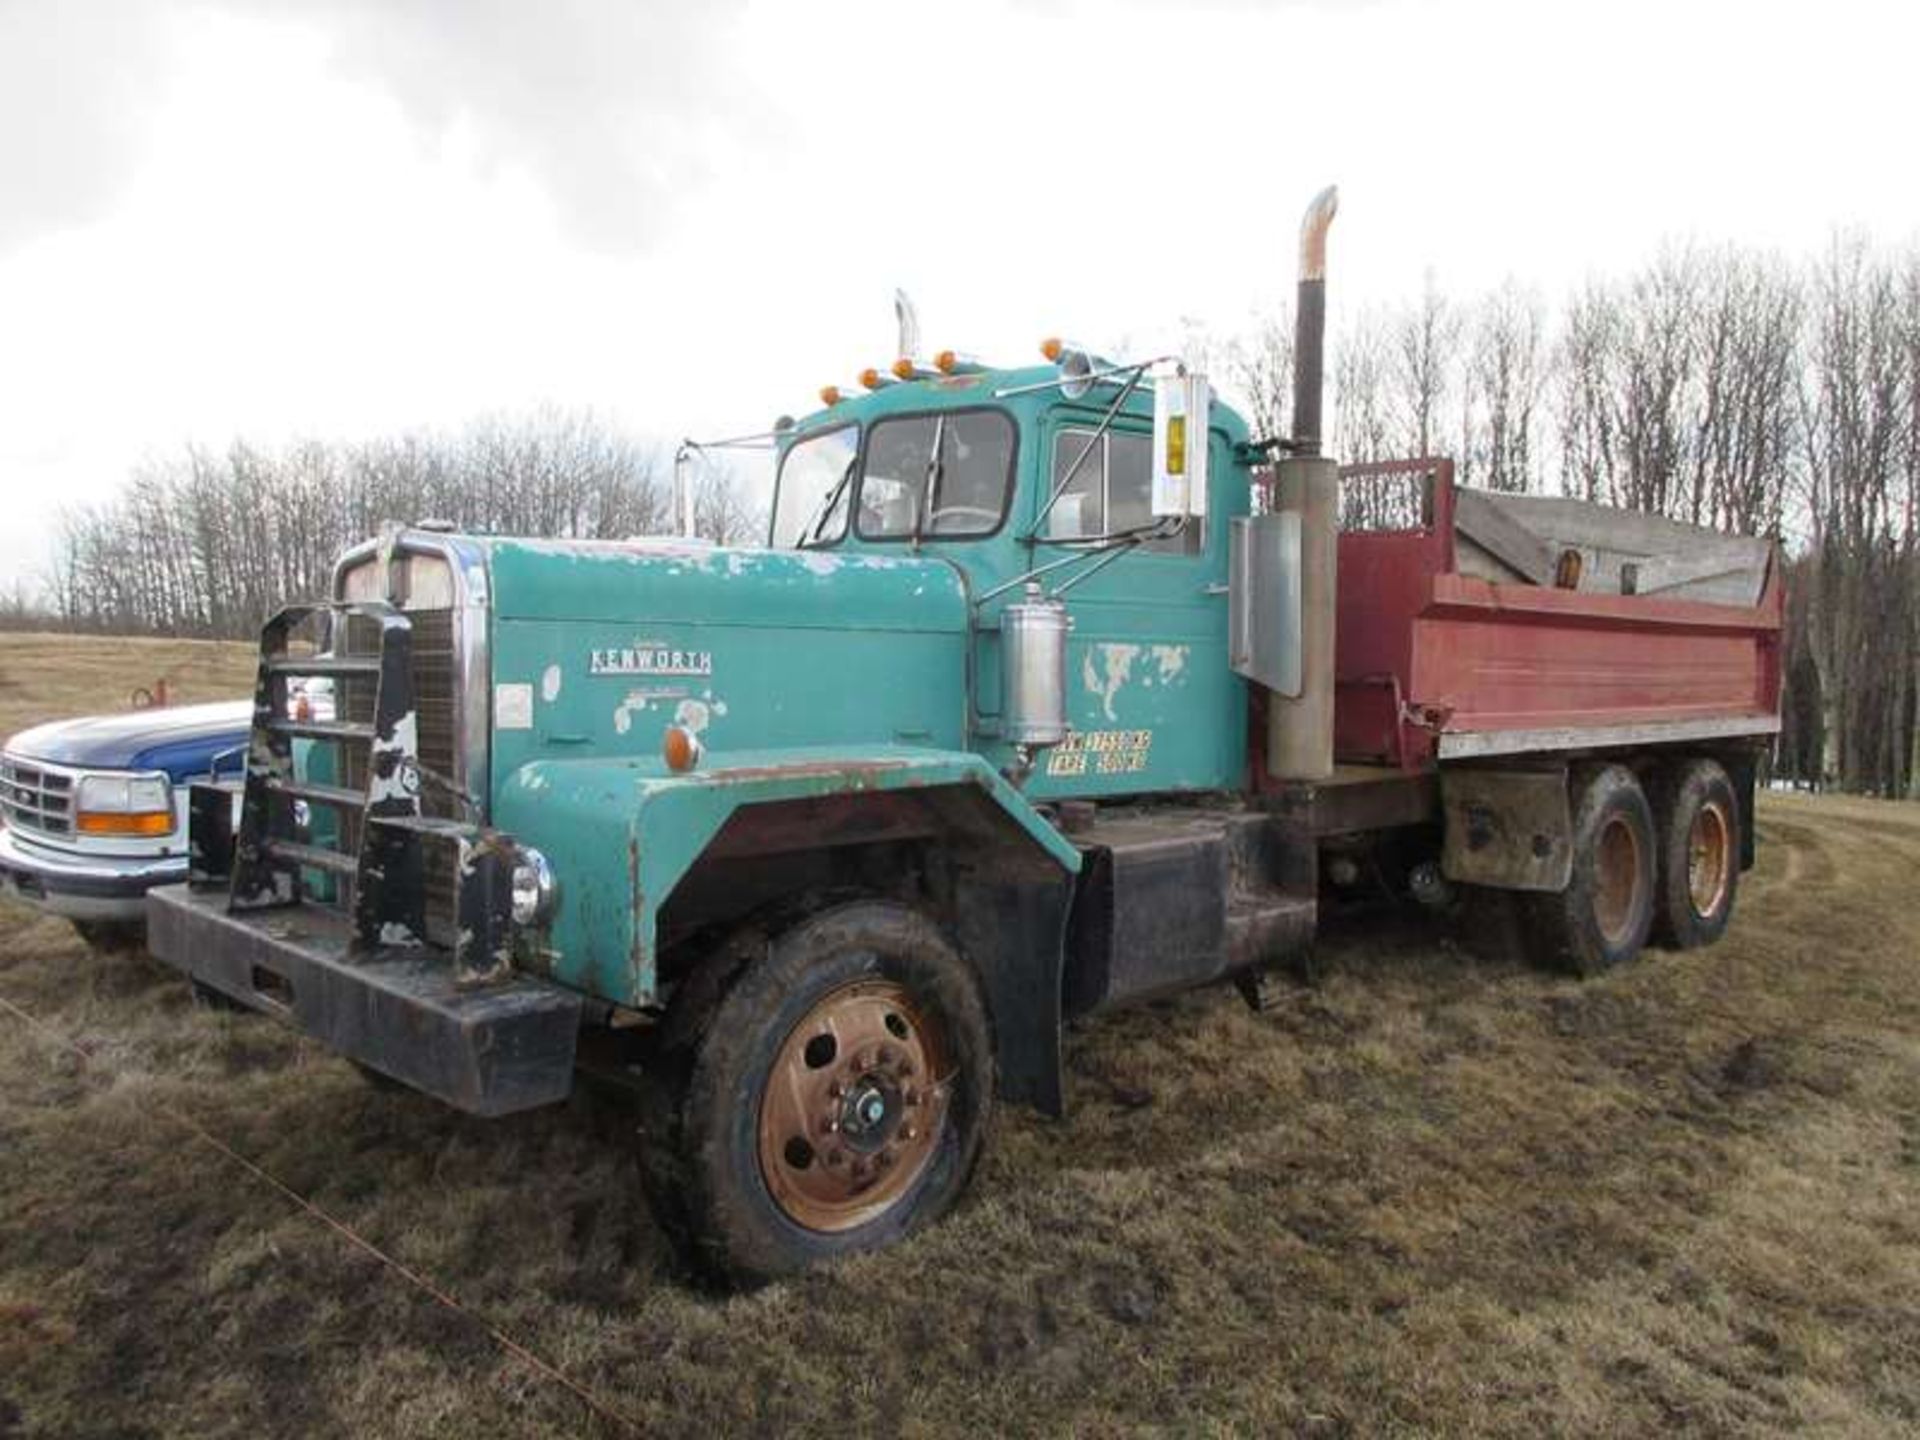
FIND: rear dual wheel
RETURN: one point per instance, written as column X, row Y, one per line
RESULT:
column 1603, row 917
column 821, row 1093
column 1698, row 874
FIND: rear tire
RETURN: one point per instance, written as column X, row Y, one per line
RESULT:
column 827, row 1093
column 1697, row 819
column 1601, row 920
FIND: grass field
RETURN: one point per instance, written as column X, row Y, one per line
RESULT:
column 1438, row 1193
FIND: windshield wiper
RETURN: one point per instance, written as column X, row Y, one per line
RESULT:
column 811, row 531
column 929, row 486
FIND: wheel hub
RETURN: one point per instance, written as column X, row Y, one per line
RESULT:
column 1709, row 852
column 853, row 1107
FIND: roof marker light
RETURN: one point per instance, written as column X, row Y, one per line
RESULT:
column 952, row 362
column 874, row 378
column 829, row 394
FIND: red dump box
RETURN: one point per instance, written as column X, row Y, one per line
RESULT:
column 1473, row 624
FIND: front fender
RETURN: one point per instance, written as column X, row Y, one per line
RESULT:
column 622, row 833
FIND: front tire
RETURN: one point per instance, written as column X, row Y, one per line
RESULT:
column 1698, row 823
column 1601, row 920
column 829, row 1093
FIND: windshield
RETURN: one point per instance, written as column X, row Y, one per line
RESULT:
column 937, row 475
column 810, row 495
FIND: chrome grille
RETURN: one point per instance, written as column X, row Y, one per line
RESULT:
column 435, row 702
column 36, row 797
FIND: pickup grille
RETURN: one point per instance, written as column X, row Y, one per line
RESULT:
column 36, row 798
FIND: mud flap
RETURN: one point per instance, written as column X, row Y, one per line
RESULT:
column 1012, row 924
column 1508, row 829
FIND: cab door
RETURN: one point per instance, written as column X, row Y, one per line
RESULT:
column 1153, row 703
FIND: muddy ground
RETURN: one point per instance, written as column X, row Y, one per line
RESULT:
column 1437, row 1193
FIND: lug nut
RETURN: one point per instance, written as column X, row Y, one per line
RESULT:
column 909, row 1132
column 830, row 1125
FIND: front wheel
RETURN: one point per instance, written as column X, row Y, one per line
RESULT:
column 831, row 1097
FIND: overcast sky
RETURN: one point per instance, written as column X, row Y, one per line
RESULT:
column 335, row 219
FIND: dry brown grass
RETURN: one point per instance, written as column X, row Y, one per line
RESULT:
column 1437, row 1194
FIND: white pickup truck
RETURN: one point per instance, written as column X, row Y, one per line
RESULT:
column 93, row 811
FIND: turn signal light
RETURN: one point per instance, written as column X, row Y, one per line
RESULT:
column 680, row 748
column 144, row 822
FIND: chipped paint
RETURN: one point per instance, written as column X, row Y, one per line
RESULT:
column 396, row 778
column 550, row 684
column 693, row 715
column 1115, row 669
column 1172, row 660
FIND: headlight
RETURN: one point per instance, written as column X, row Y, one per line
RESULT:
column 533, row 888
column 124, row 805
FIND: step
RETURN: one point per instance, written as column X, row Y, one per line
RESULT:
column 321, row 729
column 336, row 795
column 316, row 665
column 313, row 857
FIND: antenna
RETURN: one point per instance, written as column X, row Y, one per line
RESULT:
column 909, row 319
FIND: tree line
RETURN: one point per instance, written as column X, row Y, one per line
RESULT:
column 1721, row 386
column 208, row 543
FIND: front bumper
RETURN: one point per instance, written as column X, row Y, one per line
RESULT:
column 81, row 887
column 487, row 1049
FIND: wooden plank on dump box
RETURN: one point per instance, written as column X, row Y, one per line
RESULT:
column 1479, row 517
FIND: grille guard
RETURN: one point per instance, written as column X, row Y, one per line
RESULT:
column 275, row 860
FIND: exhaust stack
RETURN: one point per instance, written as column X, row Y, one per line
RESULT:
column 1310, row 321
column 1300, row 727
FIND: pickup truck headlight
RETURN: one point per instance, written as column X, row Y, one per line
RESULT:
column 124, row 805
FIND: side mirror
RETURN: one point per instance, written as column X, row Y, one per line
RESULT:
column 1182, row 404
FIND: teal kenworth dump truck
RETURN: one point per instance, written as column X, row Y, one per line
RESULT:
column 1053, row 689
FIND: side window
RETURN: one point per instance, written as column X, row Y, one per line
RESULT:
column 1111, row 491
column 1081, row 509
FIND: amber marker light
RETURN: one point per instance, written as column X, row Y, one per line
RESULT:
column 680, row 748
column 903, row 368
column 873, row 378
column 147, row 823
column 829, row 394
column 1053, row 347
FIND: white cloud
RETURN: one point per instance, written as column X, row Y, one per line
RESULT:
column 340, row 220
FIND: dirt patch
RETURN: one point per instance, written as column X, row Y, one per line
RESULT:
column 1437, row 1193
